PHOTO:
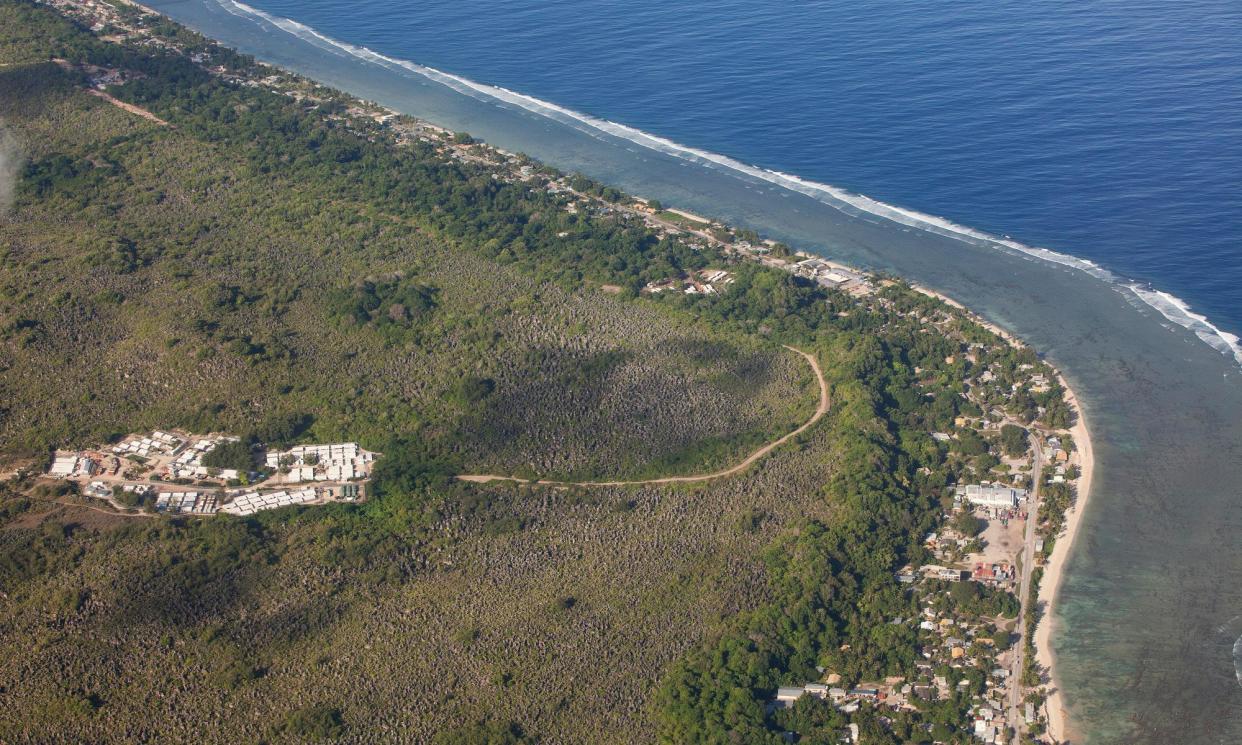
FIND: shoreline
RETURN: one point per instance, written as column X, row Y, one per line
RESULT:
column 1059, row 726
column 1057, row 715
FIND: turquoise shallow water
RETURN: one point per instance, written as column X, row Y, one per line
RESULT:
column 1152, row 607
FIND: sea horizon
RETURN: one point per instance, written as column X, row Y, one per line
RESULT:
column 1134, row 352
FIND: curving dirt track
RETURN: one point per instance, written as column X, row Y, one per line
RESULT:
column 483, row 478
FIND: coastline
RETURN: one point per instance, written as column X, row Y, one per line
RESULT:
column 1059, row 726
column 1057, row 716
column 1170, row 411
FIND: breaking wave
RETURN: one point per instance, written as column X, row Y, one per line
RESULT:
column 1237, row 659
column 1172, row 308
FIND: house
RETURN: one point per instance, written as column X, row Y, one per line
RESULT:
column 837, row 277
column 993, row 573
column 787, row 695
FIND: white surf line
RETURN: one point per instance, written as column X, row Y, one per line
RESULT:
column 1172, row 308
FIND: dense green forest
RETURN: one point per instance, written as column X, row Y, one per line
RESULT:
column 260, row 267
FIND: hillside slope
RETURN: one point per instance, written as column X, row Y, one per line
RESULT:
column 273, row 266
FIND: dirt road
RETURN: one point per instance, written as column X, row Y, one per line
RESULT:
column 750, row 460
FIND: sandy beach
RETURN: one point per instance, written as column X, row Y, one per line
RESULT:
column 1058, row 717
column 1002, row 333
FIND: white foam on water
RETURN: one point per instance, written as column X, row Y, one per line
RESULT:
column 1178, row 311
column 1237, row 660
column 1169, row 306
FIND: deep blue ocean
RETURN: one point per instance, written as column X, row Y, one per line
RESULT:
column 1108, row 130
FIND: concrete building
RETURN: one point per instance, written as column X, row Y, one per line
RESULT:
column 63, row 466
column 990, row 495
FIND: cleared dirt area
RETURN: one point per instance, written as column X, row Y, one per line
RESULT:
column 128, row 107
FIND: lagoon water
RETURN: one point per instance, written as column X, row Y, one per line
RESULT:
column 1108, row 133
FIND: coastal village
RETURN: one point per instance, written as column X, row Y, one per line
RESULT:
column 977, row 591
column 976, row 619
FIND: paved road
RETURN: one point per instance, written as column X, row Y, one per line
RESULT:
column 750, row 460
column 1024, row 590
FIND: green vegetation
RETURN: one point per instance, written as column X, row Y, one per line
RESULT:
column 966, row 523
column 1014, row 440
column 267, row 266
column 235, row 455
column 315, row 723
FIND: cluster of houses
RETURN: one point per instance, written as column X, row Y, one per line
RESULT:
column 847, row 700
column 145, row 446
column 252, row 502
column 248, row 503
column 950, row 647
column 827, row 274
column 71, row 465
column 947, row 544
column 343, row 461
column 167, row 455
column 990, row 725
column 705, row 282
column 187, row 502
column 1059, row 457
column 996, row 574
column 961, row 645
column 188, row 460
column 335, row 471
